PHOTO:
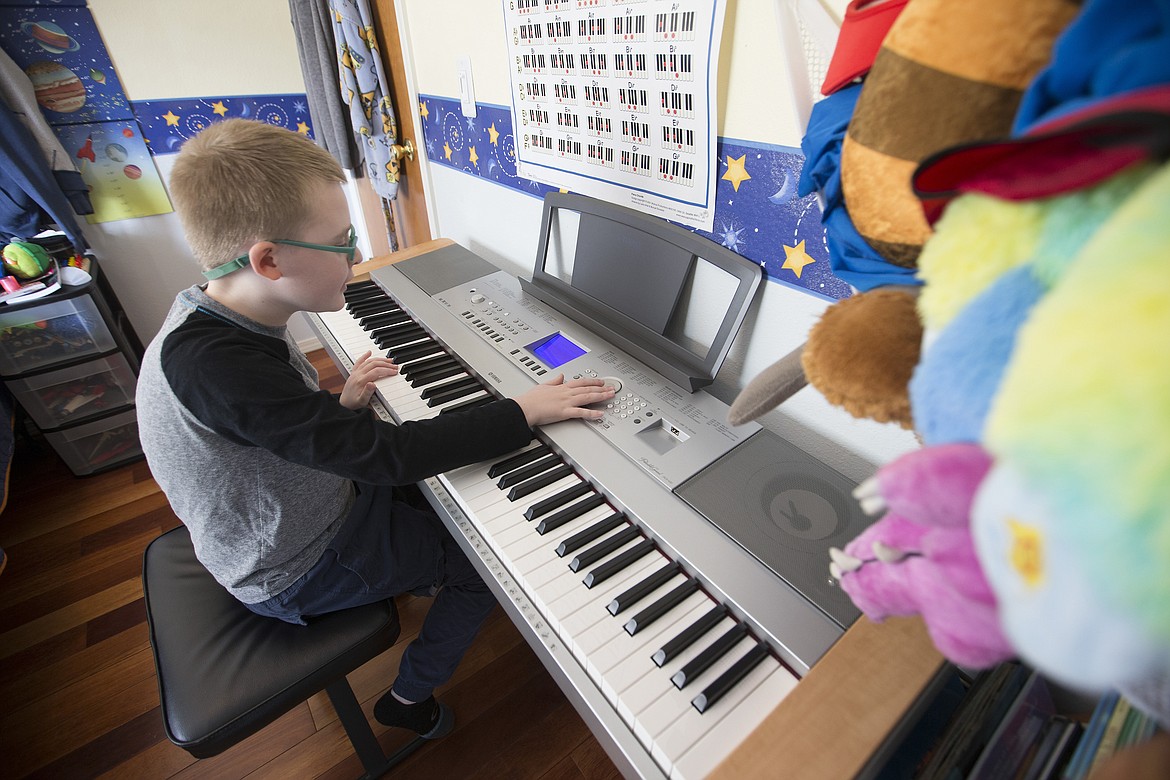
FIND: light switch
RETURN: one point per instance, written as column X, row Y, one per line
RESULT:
column 466, row 87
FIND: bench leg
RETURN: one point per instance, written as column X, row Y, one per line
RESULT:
column 365, row 744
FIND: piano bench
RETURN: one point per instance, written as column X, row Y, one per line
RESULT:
column 225, row 672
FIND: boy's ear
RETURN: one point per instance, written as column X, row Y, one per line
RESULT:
column 262, row 256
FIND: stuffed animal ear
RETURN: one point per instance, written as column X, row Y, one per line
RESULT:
column 862, row 353
column 774, row 385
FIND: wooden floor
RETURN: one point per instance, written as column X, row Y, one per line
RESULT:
column 78, row 696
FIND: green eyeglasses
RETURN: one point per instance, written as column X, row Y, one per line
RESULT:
column 349, row 250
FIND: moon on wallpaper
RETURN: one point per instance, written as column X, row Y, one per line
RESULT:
column 786, row 191
column 246, row 111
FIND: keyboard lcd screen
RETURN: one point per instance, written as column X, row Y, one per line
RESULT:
column 556, row 350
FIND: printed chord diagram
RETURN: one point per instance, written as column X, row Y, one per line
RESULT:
column 635, row 162
column 674, row 26
column 676, row 66
column 537, row 116
column 598, row 125
column 680, row 104
column 678, row 138
column 567, row 120
column 530, row 32
column 629, row 28
column 559, row 31
column 590, row 3
column 557, row 5
column 535, row 89
column 591, row 29
column 634, row 99
column 636, row 132
column 630, row 65
column 535, row 63
column 676, row 171
column 562, row 63
column 528, row 6
column 593, row 63
column 600, row 154
column 569, row 148
column 596, row 95
column 539, row 142
column 565, row 93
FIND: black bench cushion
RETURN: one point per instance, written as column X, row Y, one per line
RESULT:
column 225, row 672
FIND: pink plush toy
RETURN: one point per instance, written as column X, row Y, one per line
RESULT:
column 919, row 558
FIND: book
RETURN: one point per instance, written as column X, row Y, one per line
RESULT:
column 1050, row 765
column 1018, row 733
column 1078, row 765
column 1108, row 744
column 989, row 697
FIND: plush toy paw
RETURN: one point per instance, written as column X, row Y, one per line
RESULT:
column 919, row 559
column 862, row 353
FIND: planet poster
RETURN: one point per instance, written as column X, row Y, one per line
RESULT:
column 116, row 164
column 62, row 52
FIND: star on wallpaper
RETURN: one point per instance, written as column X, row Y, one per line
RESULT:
column 795, row 259
column 769, row 223
column 736, row 172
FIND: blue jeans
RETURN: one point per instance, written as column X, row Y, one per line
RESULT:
column 391, row 543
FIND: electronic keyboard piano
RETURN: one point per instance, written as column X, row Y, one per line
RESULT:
column 674, row 634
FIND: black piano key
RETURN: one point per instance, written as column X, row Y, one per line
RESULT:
column 661, row 607
column 410, row 367
column 570, row 513
column 589, row 533
column 372, row 306
column 516, row 461
column 441, row 364
column 400, row 337
column 536, row 483
column 702, row 662
column 546, row 505
column 726, row 681
column 454, row 393
column 604, row 571
column 364, row 287
column 424, row 378
column 603, row 548
column 631, row 596
column 387, row 319
column 689, row 635
column 458, row 384
column 353, row 297
column 474, row 402
column 415, row 351
column 529, row 471
column 386, row 332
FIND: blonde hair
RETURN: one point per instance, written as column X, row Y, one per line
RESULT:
column 241, row 181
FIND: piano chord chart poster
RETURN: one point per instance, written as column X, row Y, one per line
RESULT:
column 616, row 99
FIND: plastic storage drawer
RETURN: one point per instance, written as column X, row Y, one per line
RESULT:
column 43, row 336
column 68, row 395
column 98, row 445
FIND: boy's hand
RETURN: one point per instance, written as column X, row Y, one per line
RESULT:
column 557, row 400
column 359, row 387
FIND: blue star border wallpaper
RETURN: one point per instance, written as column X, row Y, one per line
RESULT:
column 758, row 214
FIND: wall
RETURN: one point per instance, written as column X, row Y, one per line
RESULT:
column 756, row 103
column 178, row 50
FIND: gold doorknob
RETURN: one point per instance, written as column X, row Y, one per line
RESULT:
column 405, row 149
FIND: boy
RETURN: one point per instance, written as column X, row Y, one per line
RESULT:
column 288, row 491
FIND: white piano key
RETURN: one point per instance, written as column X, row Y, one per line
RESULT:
column 530, row 549
column 613, row 627
column 579, row 597
column 593, row 621
column 491, row 505
column 637, row 661
column 552, row 567
column 635, row 690
column 556, row 588
column 654, row 718
column 718, row 743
